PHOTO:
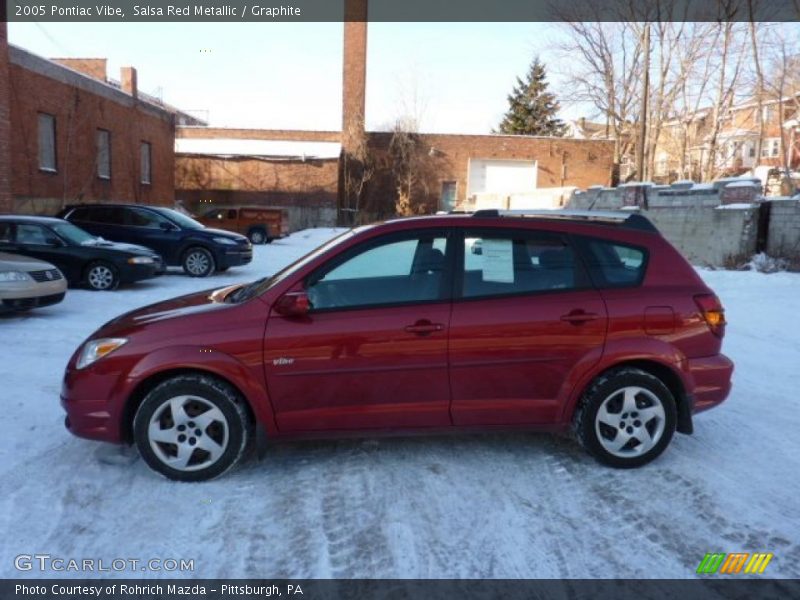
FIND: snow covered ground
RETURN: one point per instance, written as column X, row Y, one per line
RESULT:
column 469, row 506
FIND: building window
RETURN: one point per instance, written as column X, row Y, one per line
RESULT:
column 145, row 155
column 47, row 143
column 103, row 154
column 776, row 145
column 751, row 150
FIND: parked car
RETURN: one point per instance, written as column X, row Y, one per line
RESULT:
column 179, row 239
column 27, row 283
column 260, row 224
column 83, row 258
column 584, row 322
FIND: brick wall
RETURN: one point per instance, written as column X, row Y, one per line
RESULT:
column 560, row 162
column 81, row 106
column 93, row 67
column 5, row 125
column 298, row 135
column 354, row 70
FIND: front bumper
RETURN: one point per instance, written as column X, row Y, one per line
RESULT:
column 130, row 273
column 712, row 381
column 93, row 411
column 235, row 257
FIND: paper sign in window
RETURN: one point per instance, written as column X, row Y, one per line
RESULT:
column 498, row 261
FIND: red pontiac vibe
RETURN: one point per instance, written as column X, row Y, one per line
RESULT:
column 565, row 321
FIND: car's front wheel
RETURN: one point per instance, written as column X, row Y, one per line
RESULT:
column 102, row 276
column 626, row 418
column 192, row 428
column 198, row 262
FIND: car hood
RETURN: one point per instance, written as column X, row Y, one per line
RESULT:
column 15, row 262
column 223, row 233
column 119, row 246
column 182, row 306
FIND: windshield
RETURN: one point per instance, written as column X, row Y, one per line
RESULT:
column 181, row 219
column 73, row 234
column 260, row 286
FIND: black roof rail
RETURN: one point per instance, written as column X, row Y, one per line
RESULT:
column 629, row 220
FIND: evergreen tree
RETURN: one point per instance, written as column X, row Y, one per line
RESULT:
column 532, row 110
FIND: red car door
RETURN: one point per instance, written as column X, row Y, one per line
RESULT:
column 526, row 318
column 372, row 351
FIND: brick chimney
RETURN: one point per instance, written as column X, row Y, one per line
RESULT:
column 127, row 77
column 354, row 76
column 93, row 67
column 5, row 123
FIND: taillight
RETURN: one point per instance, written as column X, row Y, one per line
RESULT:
column 713, row 313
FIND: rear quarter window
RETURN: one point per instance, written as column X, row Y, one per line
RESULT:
column 614, row 264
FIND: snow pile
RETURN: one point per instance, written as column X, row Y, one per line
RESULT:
column 764, row 263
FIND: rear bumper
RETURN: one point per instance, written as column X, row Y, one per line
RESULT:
column 712, row 381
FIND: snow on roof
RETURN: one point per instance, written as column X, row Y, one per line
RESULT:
column 262, row 148
column 735, row 206
column 742, row 183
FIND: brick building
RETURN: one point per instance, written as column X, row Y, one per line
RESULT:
column 71, row 134
column 454, row 171
column 5, row 124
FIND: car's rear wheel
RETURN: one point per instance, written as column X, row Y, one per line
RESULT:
column 258, row 236
column 626, row 418
column 198, row 262
column 192, row 428
column 101, row 276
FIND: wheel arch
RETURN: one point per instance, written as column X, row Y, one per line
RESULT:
column 667, row 374
column 145, row 386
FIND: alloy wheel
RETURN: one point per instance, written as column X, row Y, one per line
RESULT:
column 188, row 433
column 100, row 277
column 197, row 263
column 630, row 421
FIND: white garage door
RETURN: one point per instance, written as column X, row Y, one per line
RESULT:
column 488, row 176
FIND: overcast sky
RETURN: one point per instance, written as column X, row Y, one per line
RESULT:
column 455, row 76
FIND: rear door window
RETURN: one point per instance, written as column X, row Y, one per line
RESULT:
column 510, row 262
column 107, row 215
column 613, row 264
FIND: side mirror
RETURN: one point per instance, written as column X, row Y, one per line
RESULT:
column 167, row 226
column 293, row 304
column 54, row 242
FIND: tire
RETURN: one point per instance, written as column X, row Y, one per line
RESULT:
column 626, row 418
column 198, row 262
column 101, row 276
column 258, row 236
column 166, row 426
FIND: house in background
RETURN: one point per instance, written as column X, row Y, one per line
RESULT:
column 684, row 146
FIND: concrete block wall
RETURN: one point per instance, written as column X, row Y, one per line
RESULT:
column 783, row 239
column 708, row 225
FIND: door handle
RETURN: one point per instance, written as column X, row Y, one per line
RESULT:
column 578, row 317
column 424, row 327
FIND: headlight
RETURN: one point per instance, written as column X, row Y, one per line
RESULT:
column 141, row 260
column 225, row 241
column 94, row 350
column 8, row 276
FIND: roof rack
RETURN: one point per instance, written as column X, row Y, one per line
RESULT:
column 629, row 220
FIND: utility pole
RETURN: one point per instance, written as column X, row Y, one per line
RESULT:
column 642, row 134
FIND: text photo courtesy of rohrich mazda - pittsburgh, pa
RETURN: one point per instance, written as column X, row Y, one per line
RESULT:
column 368, row 299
